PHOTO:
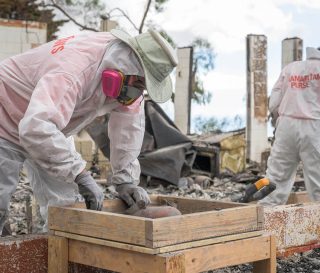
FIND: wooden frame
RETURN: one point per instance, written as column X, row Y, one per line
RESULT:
column 259, row 250
column 201, row 219
column 206, row 236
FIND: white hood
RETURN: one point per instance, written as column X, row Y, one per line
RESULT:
column 312, row 53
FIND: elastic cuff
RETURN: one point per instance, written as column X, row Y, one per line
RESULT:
column 84, row 173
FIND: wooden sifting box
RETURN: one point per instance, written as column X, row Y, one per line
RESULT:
column 200, row 220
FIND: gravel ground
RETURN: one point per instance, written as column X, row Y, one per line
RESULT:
column 224, row 189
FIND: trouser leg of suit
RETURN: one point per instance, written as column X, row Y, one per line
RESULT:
column 48, row 190
column 283, row 161
column 11, row 162
column 310, row 156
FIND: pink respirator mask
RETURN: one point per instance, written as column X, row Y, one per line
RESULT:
column 115, row 85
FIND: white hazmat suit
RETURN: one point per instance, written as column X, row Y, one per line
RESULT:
column 49, row 94
column 295, row 98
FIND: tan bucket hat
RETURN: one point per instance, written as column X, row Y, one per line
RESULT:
column 158, row 59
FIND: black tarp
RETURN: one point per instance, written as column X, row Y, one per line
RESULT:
column 166, row 153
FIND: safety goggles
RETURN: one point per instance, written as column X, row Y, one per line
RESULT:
column 126, row 89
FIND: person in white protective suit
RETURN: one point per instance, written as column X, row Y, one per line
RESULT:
column 50, row 93
column 295, row 99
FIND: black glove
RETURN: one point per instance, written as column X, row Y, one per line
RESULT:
column 90, row 191
column 133, row 194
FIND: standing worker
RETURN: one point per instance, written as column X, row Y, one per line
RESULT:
column 50, row 93
column 295, row 98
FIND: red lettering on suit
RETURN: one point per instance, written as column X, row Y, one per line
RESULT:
column 303, row 81
column 59, row 44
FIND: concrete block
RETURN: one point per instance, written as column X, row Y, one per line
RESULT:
column 18, row 36
column 297, row 226
column 23, row 254
column 29, row 254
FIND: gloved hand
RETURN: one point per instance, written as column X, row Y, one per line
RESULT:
column 133, row 194
column 274, row 117
column 90, row 191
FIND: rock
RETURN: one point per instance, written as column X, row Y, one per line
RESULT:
column 155, row 212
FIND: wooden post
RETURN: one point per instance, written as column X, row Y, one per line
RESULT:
column 268, row 265
column 58, row 255
column 176, row 263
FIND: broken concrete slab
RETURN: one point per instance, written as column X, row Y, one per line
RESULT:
column 22, row 254
column 29, row 254
column 296, row 226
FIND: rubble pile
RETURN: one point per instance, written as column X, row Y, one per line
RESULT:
column 220, row 189
column 21, row 200
column 306, row 262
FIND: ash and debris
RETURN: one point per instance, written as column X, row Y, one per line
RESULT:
column 306, row 262
column 227, row 188
column 18, row 207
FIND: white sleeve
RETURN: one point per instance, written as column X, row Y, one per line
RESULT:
column 49, row 111
column 276, row 95
column 126, row 131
